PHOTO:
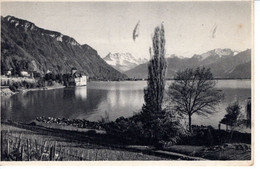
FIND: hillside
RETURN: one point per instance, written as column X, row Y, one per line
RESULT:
column 241, row 71
column 31, row 48
column 224, row 63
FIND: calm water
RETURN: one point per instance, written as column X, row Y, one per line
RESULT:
column 101, row 98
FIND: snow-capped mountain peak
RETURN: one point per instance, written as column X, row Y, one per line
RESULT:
column 217, row 52
column 123, row 61
column 174, row 56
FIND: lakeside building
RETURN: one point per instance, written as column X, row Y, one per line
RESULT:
column 75, row 78
column 24, row 74
column 8, row 73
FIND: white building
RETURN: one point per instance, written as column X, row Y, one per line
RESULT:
column 24, row 74
column 81, row 81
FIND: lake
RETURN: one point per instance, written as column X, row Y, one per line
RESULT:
column 112, row 99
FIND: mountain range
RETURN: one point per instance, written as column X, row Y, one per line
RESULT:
column 123, row 61
column 31, row 48
column 224, row 63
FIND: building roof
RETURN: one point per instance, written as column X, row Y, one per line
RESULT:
column 79, row 74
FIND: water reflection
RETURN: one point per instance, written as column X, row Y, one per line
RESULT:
column 81, row 92
column 119, row 103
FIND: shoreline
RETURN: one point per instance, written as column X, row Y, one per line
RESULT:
column 6, row 92
column 42, row 88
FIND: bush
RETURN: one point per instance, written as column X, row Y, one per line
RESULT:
column 231, row 118
column 24, row 84
column 13, row 88
column 158, row 131
column 17, row 85
column 50, row 82
column 41, row 82
column 208, row 136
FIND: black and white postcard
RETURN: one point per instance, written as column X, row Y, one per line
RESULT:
column 131, row 81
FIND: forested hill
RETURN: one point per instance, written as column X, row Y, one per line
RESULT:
column 27, row 47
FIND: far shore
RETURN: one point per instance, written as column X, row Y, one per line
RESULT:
column 140, row 80
column 6, row 92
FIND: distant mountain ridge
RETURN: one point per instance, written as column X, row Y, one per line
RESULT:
column 224, row 63
column 123, row 61
column 42, row 50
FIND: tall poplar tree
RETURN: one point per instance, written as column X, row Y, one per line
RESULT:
column 153, row 94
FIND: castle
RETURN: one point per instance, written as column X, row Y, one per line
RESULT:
column 76, row 78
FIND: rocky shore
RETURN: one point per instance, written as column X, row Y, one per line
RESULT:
column 79, row 123
column 6, row 92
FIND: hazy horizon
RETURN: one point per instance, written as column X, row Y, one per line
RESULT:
column 190, row 27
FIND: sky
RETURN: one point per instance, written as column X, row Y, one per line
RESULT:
column 190, row 27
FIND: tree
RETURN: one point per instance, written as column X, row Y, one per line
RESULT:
column 233, row 112
column 50, row 76
column 193, row 91
column 248, row 112
column 153, row 94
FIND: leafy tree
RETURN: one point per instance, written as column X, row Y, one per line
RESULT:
column 233, row 112
column 37, row 74
column 59, row 78
column 4, row 66
column 41, row 82
column 50, row 76
column 246, row 120
column 153, row 94
column 193, row 91
column 248, row 112
column 19, row 65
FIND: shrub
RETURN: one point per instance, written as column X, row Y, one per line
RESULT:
column 41, row 82
column 13, row 88
column 231, row 118
column 161, row 131
column 24, row 84
column 50, row 82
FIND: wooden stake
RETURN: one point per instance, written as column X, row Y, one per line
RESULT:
column 82, row 155
column 76, row 154
column 96, row 155
column 8, row 147
column 19, row 141
column 28, row 150
column 44, row 145
column 1, row 144
column 54, row 150
column 51, row 153
column 22, row 148
column 36, row 145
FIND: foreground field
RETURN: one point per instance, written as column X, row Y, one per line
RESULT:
column 21, row 142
